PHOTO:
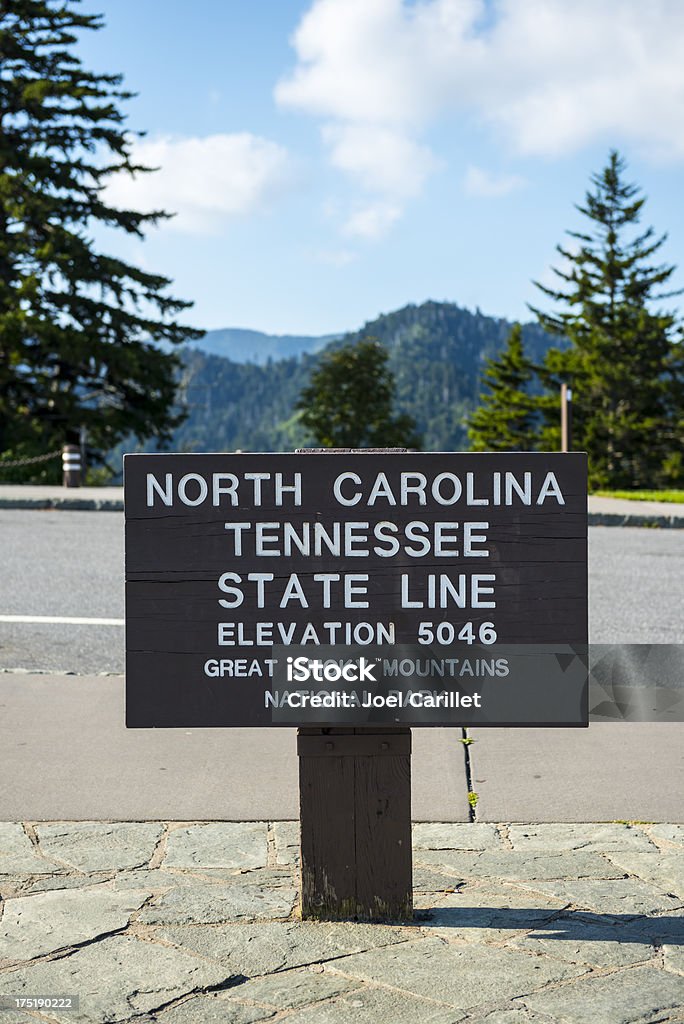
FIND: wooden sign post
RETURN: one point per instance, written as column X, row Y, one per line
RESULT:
column 355, row 814
column 354, row 596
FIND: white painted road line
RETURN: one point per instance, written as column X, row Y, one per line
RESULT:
column 61, row 620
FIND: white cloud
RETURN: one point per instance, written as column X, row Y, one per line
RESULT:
column 382, row 160
column 372, row 221
column 572, row 72
column 334, row 38
column 485, row 185
column 205, row 181
column 546, row 76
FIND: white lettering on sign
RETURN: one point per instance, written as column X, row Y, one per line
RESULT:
column 282, row 488
column 452, row 491
column 441, row 592
column 202, row 492
column 165, row 492
column 265, row 634
column 225, row 489
column 232, row 584
column 437, row 591
column 446, row 488
column 550, row 487
column 355, row 515
column 381, row 489
column 351, row 539
column 470, row 538
column 224, row 483
column 238, row 529
column 266, row 534
column 337, row 489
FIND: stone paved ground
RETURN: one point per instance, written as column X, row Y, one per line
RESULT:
column 186, row 923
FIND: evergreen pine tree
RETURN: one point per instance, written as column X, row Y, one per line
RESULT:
column 506, row 420
column 78, row 327
column 624, row 360
column 348, row 402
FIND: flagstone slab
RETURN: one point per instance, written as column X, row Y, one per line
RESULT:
column 99, row 846
column 626, row 997
column 601, row 838
column 115, row 979
column 455, row 836
column 224, row 844
column 619, row 896
column 511, row 1017
column 464, row 977
column 484, row 914
column 211, row 1008
column 674, row 954
column 18, row 854
column 271, row 877
column 373, row 1005
column 433, row 880
column 214, row 904
column 287, row 841
column 589, row 943
column 154, row 880
column 17, row 1017
column 12, row 884
column 665, row 871
column 33, row 926
column 251, row 950
column 665, row 930
column 50, row 883
column 513, row 865
column 175, row 878
column 292, row 989
column 670, row 833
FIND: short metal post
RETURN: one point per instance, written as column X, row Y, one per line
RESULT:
column 566, row 418
column 71, row 465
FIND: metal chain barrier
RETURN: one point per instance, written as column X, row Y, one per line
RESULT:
column 29, row 462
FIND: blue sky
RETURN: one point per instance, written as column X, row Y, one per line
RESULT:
column 336, row 159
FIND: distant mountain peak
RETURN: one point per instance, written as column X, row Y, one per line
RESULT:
column 244, row 345
column 243, row 393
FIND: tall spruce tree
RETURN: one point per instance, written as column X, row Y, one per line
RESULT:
column 624, row 360
column 78, row 327
column 348, row 402
column 506, row 420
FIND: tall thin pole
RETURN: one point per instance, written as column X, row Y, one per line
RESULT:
column 566, row 418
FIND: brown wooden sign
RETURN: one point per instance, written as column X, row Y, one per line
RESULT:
column 229, row 556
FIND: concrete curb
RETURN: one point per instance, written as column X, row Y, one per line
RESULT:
column 673, row 522
column 64, row 504
column 74, row 504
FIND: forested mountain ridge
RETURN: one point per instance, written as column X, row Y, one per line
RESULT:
column 247, row 346
column 437, row 351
